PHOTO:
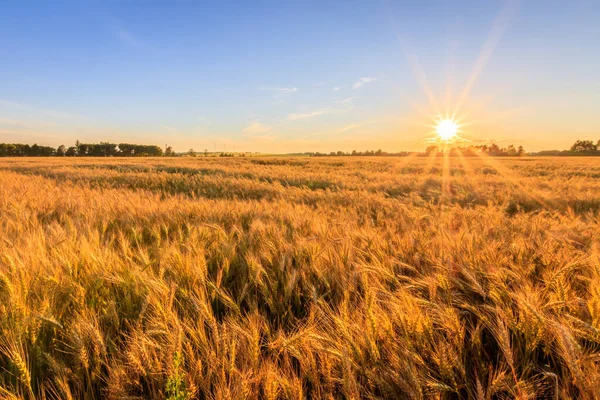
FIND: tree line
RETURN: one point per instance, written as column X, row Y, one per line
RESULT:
column 579, row 148
column 102, row 149
column 358, row 153
column 106, row 149
column 492, row 150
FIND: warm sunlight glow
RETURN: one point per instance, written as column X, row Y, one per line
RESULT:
column 446, row 129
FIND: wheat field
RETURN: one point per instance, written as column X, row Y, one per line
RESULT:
column 291, row 278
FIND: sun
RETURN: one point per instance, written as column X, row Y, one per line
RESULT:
column 446, row 129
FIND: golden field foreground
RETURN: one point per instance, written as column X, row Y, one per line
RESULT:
column 342, row 277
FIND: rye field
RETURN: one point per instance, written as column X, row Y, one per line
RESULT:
column 292, row 278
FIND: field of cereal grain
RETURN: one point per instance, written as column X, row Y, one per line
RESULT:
column 290, row 278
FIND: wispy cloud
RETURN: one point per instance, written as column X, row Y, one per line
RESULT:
column 280, row 90
column 348, row 128
column 129, row 39
column 26, row 124
column 359, row 125
column 349, row 99
column 281, row 95
column 324, row 111
column 23, row 122
column 256, row 131
column 204, row 122
column 363, row 81
column 10, row 122
column 256, row 128
column 126, row 36
column 295, row 117
column 336, row 89
column 33, row 136
column 12, row 107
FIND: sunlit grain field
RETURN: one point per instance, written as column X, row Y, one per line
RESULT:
column 341, row 277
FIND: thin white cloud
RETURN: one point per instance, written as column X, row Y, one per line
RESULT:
column 348, row 128
column 256, row 131
column 256, row 128
column 280, row 95
column 204, row 121
column 357, row 125
column 321, row 112
column 295, row 117
column 336, row 89
column 34, row 136
column 349, row 99
column 9, row 121
column 9, row 107
column 26, row 124
column 363, row 81
column 280, row 90
column 264, row 138
column 126, row 37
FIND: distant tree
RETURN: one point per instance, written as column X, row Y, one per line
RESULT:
column 583, row 145
column 521, row 151
column 169, row 151
column 61, row 150
column 126, row 149
column 8, row 149
column 191, row 153
column 494, row 150
column 71, row 151
column 431, row 150
column 102, row 149
column 47, row 151
column 82, row 149
column 107, row 149
column 148, row 151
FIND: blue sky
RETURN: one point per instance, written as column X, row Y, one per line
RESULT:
column 287, row 76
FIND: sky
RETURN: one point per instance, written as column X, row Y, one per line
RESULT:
column 295, row 76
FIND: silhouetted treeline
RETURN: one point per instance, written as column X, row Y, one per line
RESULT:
column 105, row 149
column 360, row 153
column 579, row 148
column 25, row 150
column 102, row 149
column 491, row 150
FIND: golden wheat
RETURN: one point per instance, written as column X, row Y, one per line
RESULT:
column 299, row 278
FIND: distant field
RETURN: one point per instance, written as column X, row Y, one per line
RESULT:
column 267, row 277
